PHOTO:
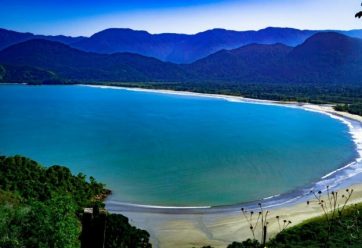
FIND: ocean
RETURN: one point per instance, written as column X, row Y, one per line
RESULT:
column 162, row 149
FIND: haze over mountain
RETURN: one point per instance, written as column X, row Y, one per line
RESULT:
column 8, row 38
column 74, row 65
column 179, row 48
column 176, row 48
column 326, row 57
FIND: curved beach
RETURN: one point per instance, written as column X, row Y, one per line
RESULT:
column 219, row 226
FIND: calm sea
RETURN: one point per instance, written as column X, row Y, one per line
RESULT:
column 162, row 149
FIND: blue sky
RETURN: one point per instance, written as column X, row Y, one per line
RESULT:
column 85, row 17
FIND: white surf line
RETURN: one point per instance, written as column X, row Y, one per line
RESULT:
column 187, row 93
column 356, row 133
column 271, row 197
column 156, row 206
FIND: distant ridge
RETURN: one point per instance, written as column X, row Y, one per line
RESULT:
column 8, row 38
column 180, row 48
column 73, row 65
column 326, row 57
column 176, row 48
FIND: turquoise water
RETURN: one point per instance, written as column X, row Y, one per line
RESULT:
column 163, row 149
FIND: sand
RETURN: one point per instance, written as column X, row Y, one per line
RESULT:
column 220, row 229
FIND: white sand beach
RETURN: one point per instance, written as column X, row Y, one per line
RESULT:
column 219, row 230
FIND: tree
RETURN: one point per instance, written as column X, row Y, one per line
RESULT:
column 40, row 208
column 359, row 14
column 10, row 228
column 120, row 234
column 52, row 224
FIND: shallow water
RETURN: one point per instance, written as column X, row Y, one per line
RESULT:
column 162, row 149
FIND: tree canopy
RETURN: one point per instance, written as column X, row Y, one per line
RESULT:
column 42, row 207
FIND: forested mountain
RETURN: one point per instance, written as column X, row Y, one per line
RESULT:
column 8, row 38
column 180, row 48
column 251, row 63
column 69, row 64
column 176, row 48
column 44, row 207
column 326, row 58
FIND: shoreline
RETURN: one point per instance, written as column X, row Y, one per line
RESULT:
column 220, row 226
column 353, row 122
column 219, row 229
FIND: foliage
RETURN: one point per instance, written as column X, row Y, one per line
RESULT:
column 261, row 220
column 10, row 229
column 326, row 68
column 246, row 244
column 339, row 226
column 324, row 58
column 314, row 233
column 346, row 230
column 346, row 95
column 350, row 108
column 118, row 226
column 34, row 182
column 52, row 223
column 40, row 207
column 16, row 74
column 358, row 14
column 333, row 206
column 2, row 72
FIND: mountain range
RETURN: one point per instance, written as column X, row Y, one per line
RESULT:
column 70, row 64
column 325, row 57
column 9, row 37
column 175, row 48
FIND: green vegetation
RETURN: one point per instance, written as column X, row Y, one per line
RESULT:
column 43, row 207
column 312, row 93
column 50, row 223
column 350, row 108
column 346, row 232
column 348, row 97
column 339, row 225
column 116, row 226
column 2, row 72
column 16, row 74
column 34, row 182
column 326, row 68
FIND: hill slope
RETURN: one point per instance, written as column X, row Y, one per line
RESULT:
column 8, row 38
column 180, row 48
column 177, row 48
column 323, row 58
column 75, row 65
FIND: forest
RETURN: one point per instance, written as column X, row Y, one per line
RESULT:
column 43, row 207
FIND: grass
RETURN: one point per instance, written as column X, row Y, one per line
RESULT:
column 345, row 232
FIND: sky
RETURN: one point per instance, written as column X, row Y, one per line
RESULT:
column 85, row 17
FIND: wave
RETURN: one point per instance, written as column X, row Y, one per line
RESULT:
column 156, row 206
column 341, row 177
